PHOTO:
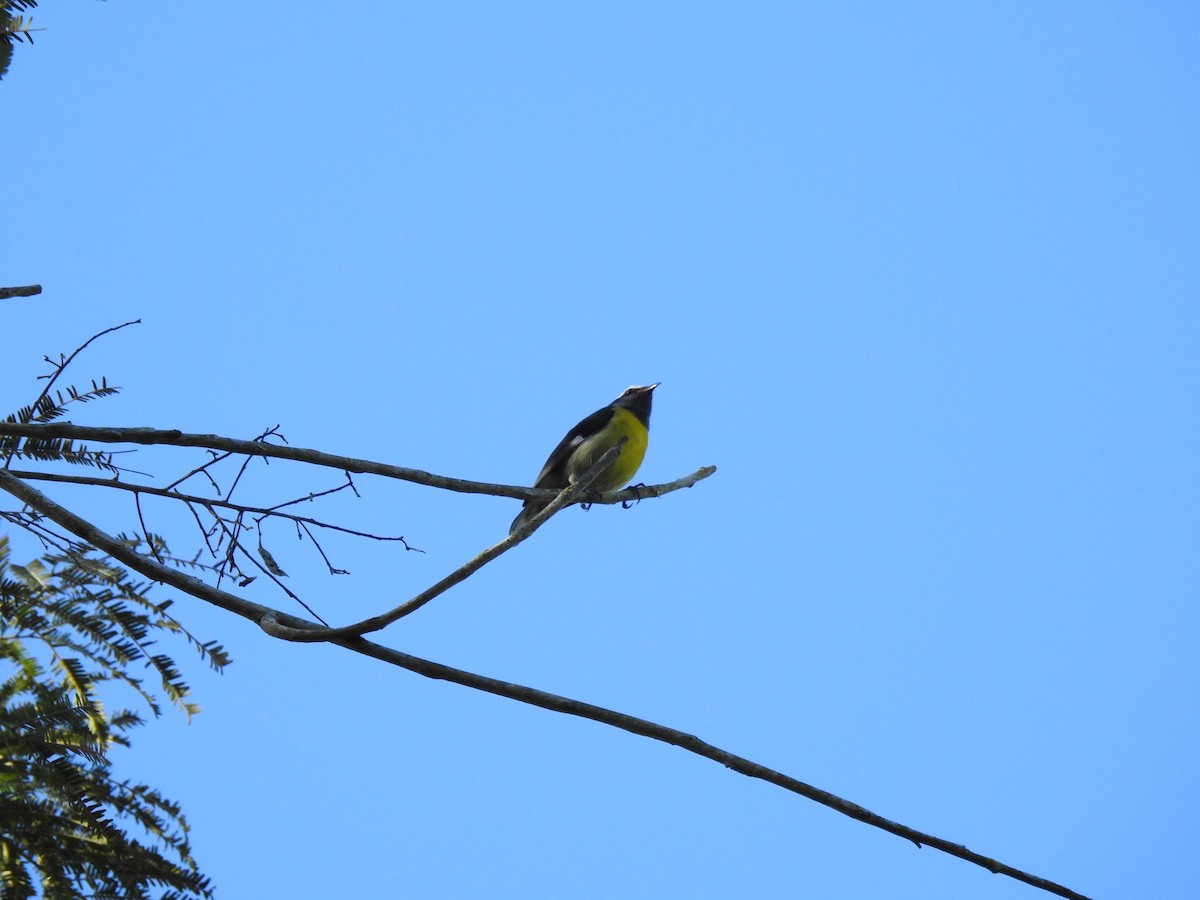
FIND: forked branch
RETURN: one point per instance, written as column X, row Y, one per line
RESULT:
column 224, row 539
column 565, row 497
column 268, row 618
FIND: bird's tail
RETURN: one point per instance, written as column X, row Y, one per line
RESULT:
column 523, row 516
column 528, row 511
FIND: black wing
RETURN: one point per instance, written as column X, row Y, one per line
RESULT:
column 554, row 472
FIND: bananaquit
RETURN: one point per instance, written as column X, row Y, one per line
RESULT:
column 626, row 417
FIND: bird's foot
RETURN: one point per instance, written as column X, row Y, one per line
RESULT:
column 637, row 489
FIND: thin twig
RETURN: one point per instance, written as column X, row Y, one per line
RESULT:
column 61, row 365
column 112, row 483
column 235, row 545
column 32, row 523
column 332, row 569
column 204, row 532
column 274, row 430
column 90, row 534
column 202, row 469
column 310, row 497
column 137, row 502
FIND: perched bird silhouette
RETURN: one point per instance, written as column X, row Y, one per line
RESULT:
column 626, row 417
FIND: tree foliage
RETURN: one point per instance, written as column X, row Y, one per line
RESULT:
column 72, row 623
column 14, row 28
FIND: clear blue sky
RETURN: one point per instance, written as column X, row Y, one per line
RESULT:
column 922, row 281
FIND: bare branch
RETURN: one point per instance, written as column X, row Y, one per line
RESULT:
column 693, row 744
column 268, row 619
column 61, row 365
column 171, row 437
column 122, row 553
column 28, row 290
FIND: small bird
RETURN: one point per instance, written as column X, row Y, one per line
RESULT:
column 626, row 417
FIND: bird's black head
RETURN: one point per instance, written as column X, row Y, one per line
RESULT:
column 636, row 399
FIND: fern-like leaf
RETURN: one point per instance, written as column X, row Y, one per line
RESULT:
column 66, row 821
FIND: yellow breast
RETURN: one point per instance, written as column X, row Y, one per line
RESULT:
column 623, row 424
